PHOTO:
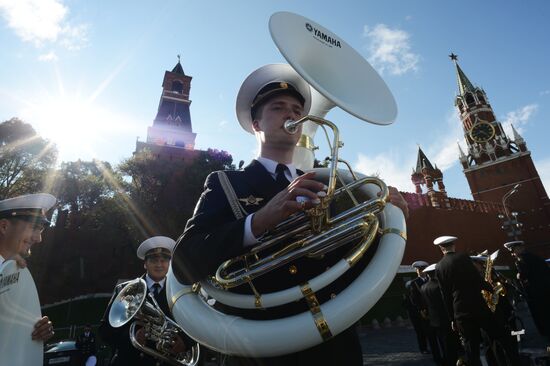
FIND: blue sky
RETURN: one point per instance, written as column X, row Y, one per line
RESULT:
column 88, row 74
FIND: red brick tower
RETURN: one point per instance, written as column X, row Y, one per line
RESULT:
column 426, row 174
column 495, row 163
column 171, row 135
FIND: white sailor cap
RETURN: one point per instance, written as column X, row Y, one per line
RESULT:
column 512, row 244
column 430, row 268
column 420, row 264
column 27, row 207
column 266, row 82
column 156, row 245
column 443, row 240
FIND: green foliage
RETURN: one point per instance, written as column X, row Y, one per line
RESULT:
column 80, row 185
column 26, row 159
column 165, row 192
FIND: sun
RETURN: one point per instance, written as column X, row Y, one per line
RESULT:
column 75, row 124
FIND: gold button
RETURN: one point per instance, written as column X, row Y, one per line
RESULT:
column 292, row 269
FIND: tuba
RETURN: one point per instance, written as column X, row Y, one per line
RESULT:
column 352, row 216
column 130, row 304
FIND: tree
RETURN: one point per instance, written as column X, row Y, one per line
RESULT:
column 165, row 193
column 26, row 159
column 80, row 185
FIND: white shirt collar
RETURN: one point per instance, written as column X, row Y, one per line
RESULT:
column 271, row 165
column 151, row 282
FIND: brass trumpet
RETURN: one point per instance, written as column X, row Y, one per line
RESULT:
column 131, row 304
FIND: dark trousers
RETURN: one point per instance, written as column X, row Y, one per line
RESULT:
column 344, row 349
column 449, row 345
column 470, row 329
column 435, row 346
column 420, row 330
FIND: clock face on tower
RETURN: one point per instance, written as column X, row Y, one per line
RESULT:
column 482, row 132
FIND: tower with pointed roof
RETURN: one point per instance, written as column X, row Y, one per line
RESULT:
column 171, row 135
column 426, row 174
column 495, row 163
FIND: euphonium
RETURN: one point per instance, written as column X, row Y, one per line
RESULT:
column 492, row 298
column 131, row 305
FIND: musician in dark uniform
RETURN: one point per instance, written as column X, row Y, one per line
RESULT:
column 447, row 340
column 22, row 220
column 418, row 319
column 266, row 191
column 534, row 277
column 87, row 345
column 156, row 253
column 461, row 286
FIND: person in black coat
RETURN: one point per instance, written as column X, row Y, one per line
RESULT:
column 266, row 192
column 461, row 286
column 447, row 340
column 87, row 345
column 534, row 277
column 418, row 318
column 156, row 253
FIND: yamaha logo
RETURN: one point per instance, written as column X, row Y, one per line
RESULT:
column 324, row 38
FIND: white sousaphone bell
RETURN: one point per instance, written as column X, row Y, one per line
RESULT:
column 338, row 76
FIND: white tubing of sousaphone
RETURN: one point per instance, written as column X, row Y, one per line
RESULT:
column 19, row 311
column 333, row 68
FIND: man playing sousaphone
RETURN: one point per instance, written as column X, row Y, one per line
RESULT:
column 22, row 220
column 269, row 190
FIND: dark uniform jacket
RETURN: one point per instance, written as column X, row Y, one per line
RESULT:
column 86, row 344
column 124, row 353
column 431, row 293
column 461, row 286
column 214, row 235
column 535, row 280
column 415, row 293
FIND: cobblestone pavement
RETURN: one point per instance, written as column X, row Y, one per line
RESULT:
column 397, row 346
column 392, row 346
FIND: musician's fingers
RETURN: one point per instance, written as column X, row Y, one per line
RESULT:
column 43, row 330
column 309, row 184
column 296, row 191
column 295, row 206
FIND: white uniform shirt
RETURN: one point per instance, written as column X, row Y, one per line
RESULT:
column 150, row 282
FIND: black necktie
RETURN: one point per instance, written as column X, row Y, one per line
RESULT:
column 280, row 178
column 156, row 289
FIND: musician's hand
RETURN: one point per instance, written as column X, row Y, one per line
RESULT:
column 284, row 203
column 396, row 199
column 21, row 262
column 140, row 336
column 43, row 330
column 179, row 346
